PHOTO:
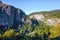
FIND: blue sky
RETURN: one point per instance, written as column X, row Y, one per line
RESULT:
column 29, row 6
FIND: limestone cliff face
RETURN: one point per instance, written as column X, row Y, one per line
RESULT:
column 10, row 16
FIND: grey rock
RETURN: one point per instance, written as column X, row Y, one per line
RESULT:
column 11, row 16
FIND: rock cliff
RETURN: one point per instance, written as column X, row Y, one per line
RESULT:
column 11, row 16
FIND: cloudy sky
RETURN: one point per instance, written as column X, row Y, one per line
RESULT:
column 29, row 6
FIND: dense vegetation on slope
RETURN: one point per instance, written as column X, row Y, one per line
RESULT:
column 40, row 32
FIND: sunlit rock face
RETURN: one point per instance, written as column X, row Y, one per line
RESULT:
column 39, row 17
column 53, row 21
column 11, row 16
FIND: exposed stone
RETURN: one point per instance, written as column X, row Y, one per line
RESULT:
column 39, row 17
column 11, row 16
column 53, row 21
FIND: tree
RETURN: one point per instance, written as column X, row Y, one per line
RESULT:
column 1, row 37
column 9, row 33
column 55, row 32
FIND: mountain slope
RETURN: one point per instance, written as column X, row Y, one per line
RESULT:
column 11, row 16
column 49, row 17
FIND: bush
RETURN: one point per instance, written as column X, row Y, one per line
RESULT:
column 9, row 33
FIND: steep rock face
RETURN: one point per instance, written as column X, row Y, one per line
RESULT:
column 10, row 16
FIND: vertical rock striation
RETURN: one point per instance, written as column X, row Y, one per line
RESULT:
column 11, row 16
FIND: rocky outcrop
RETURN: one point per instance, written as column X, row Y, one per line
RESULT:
column 11, row 16
column 39, row 17
column 52, row 21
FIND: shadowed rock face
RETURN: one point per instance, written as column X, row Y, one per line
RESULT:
column 34, row 23
column 11, row 16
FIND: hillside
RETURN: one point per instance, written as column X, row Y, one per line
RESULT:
column 16, row 25
column 52, row 13
column 50, row 17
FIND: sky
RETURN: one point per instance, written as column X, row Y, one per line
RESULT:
column 29, row 6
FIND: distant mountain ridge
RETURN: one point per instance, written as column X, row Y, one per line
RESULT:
column 55, row 13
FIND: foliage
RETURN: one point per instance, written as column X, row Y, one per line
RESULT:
column 8, row 33
column 0, row 35
column 55, row 32
column 40, row 32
